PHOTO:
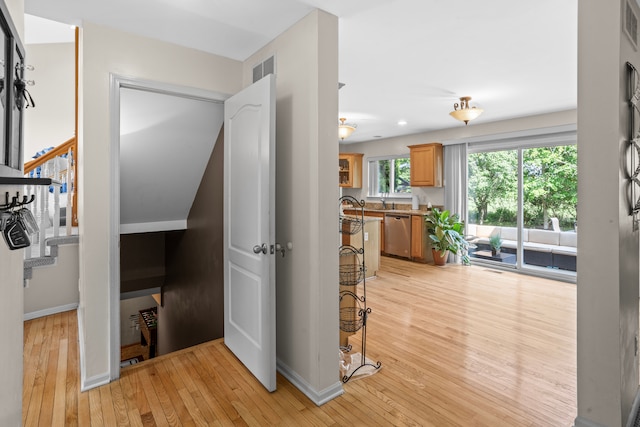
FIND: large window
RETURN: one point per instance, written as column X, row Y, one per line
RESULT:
column 523, row 199
column 390, row 176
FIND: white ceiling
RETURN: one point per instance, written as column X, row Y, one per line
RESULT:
column 400, row 59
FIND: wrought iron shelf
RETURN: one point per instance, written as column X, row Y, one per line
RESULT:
column 353, row 318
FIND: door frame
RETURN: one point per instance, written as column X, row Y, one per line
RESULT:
column 117, row 82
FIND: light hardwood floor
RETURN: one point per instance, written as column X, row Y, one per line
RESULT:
column 459, row 346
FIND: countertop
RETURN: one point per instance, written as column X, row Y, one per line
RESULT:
column 366, row 218
column 393, row 211
column 399, row 211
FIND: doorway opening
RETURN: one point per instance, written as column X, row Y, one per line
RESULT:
column 164, row 141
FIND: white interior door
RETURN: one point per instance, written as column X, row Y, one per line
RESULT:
column 249, row 229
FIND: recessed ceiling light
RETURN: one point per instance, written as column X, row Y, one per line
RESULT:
column 402, row 122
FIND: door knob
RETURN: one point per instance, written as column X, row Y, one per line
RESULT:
column 257, row 249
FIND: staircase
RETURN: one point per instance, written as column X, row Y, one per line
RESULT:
column 52, row 244
column 54, row 209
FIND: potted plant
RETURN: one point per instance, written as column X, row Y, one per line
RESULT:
column 445, row 232
column 495, row 241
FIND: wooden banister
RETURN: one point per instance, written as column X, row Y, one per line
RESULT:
column 69, row 147
column 55, row 152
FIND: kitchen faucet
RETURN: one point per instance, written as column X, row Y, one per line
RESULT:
column 382, row 199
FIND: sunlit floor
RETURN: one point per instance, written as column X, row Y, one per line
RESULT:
column 459, row 346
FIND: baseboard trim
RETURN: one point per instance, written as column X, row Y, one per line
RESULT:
column 319, row 398
column 50, row 311
column 631, row 418
column 96, row 380
column 81, row 345
column 583, row 422
column 634, row 410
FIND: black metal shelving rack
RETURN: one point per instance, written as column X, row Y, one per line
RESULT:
column 353, row 318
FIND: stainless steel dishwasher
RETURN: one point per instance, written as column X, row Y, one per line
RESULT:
column 397, row 234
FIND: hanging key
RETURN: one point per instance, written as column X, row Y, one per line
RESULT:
column 4, row 218
column 28, row 221
column 14, row 233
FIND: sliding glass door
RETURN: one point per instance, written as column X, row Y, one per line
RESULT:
column 522, row 206
column 550, row 198
column 493, row 206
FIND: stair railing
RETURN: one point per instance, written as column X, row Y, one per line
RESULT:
column 67, row 176
column 48, row 225
column 46, row 205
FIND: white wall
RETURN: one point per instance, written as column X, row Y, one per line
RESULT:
column 11, row 329
column 104, row 51
column 459, row 133
column 11, row 326
column 52, row 122
column 53, row 288
column 307, row 202
column 608, row 270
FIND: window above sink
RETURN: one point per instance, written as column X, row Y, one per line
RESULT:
column 390, row 176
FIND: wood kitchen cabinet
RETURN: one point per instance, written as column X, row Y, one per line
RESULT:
column 426, row 165
column 417, row 233
column 420, row 244
column 350, row 172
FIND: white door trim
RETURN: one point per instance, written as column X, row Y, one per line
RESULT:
column 116, row 82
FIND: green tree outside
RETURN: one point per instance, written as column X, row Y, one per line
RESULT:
column 550, row 186
column 493, row 182
column 401, row 176
column 550, row 182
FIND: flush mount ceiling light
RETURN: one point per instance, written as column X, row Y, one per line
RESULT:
column 345, row 129
column 465, row 113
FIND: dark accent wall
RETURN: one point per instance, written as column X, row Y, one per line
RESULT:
column 193, row 305
column 142, row 261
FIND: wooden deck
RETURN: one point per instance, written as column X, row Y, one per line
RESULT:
column 460, row 346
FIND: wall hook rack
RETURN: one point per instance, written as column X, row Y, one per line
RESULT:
column 17, row 222
column 15, row 201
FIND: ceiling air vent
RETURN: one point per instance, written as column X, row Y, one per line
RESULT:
column 268, row 66
column 631, row 25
